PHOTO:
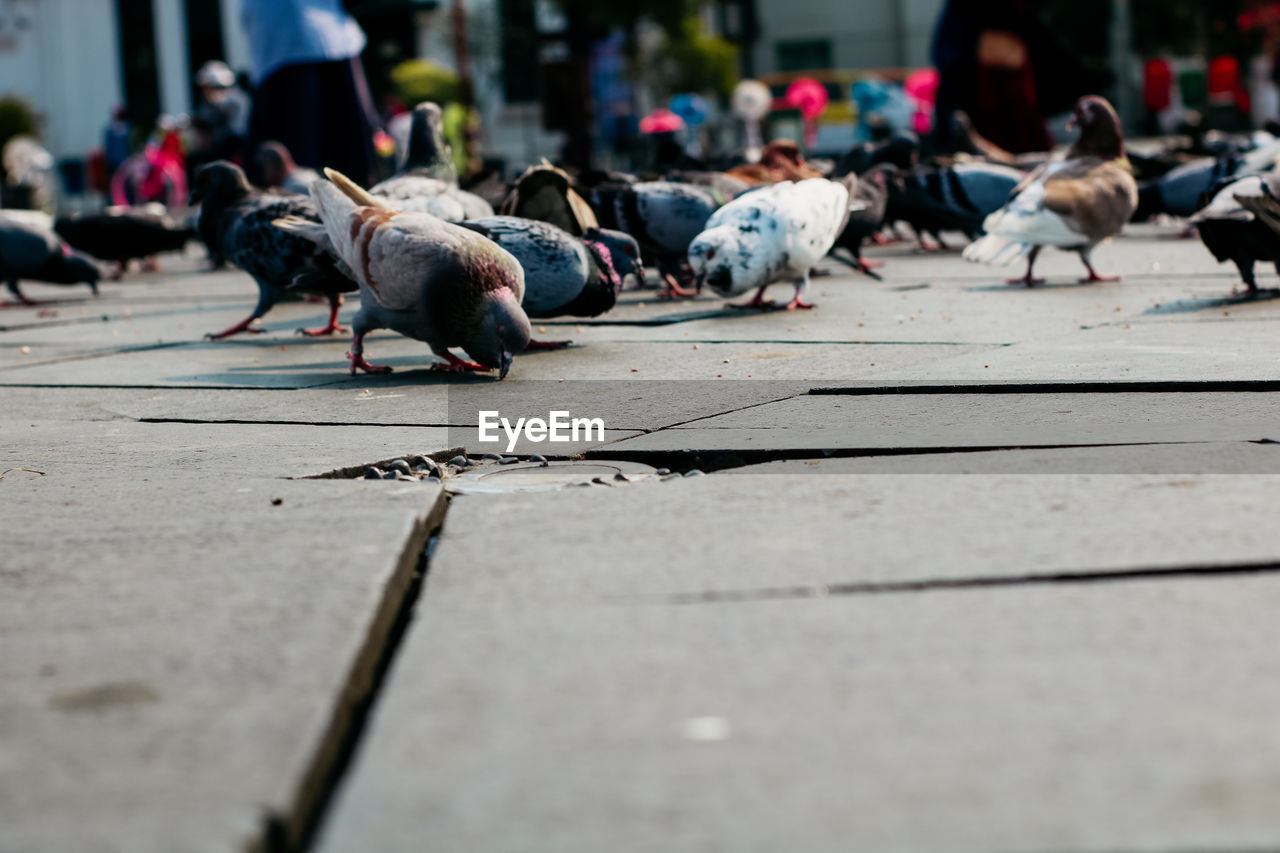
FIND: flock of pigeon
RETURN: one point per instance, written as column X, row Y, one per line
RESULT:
column 434, row 262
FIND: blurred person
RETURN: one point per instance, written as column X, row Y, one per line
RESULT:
column 157, row 174
column 222, row 117
column 311, row 94
column 986, row 55
column 117, row 139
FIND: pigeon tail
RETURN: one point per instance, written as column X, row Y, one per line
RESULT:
column 306, row 229
column 996, row 250
column 352, row 190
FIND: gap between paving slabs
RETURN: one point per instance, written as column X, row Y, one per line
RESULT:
column 296, row 829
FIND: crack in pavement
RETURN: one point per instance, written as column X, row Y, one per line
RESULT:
column 1067, row 577
column 1082, row 387
column 297, row 829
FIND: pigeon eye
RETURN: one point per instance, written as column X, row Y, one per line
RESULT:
column 711, row 253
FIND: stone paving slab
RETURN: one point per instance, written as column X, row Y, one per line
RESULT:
column 175, row 661
column 1091, row 718
column 838, row 422
column 740, row 533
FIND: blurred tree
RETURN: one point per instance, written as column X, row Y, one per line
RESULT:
column 418, row 80
column 17, row 117
column 697, row 61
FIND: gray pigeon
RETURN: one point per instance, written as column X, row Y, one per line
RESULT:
column 30, row 251
column 423, row 277
column 236, row 223
column 563, row 274
column 428, row 180
column 663, row 216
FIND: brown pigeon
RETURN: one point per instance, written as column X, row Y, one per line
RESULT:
column 1074, row 203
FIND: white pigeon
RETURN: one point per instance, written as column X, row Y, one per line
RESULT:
column 775, row 233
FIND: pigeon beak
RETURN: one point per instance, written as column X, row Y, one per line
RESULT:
column 505, row 365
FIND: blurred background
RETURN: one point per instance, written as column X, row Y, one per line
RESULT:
column 627, row 84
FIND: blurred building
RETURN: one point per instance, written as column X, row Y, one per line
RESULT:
column 811, row 35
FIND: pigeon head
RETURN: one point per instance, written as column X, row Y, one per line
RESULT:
column 721, row 257
column 220, row 183
column 623, row 250
column 1099, row 126
column 275, row 162
column 428, row 153
column 74, row 268
column 502, row 332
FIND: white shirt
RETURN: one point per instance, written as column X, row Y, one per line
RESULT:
column 290, row 32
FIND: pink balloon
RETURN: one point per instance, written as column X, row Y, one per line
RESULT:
column 922, row 85
column 808, row 96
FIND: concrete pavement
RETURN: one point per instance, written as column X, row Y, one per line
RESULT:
column 1042, row 624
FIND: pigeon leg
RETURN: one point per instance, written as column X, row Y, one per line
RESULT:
column 19, row 295
column 265, row 300
column 1247, row 276
column 357, row 358
column 453, row 364
column 672, row 288
column 150, row 264
column 797, row 301
column 117, row 271
column 1027, row 279
column 1093, row 274
column 543, row 345
column 757, row 301
column 335, row 302
column 245, row 325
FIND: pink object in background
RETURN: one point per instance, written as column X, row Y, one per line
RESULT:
column 661, row 120
column 810, row 98
column 922, row 88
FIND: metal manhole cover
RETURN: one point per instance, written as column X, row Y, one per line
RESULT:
column 540, row 477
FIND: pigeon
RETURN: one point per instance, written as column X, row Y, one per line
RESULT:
column 428, row 180
column 868, row 198
column 952, row 198
column 564, row 274
column 771, row 234
column 1180, row 191
column 546, row 193
column 236, row 223
column 1073, row 203
column 29, row 251
column 781, row 160
column 423, row 277
column 124, row 234
column 280, row 173
column 1239, row 223
column 662, row 216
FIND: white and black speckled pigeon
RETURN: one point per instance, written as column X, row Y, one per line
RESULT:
column 775, row 233
column 564, row 274
column 236, row 223
column 124, row 234
column 29, row 251
column 1072, row 204
column 428, row 180
column 425, row 278
column 663, row 216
